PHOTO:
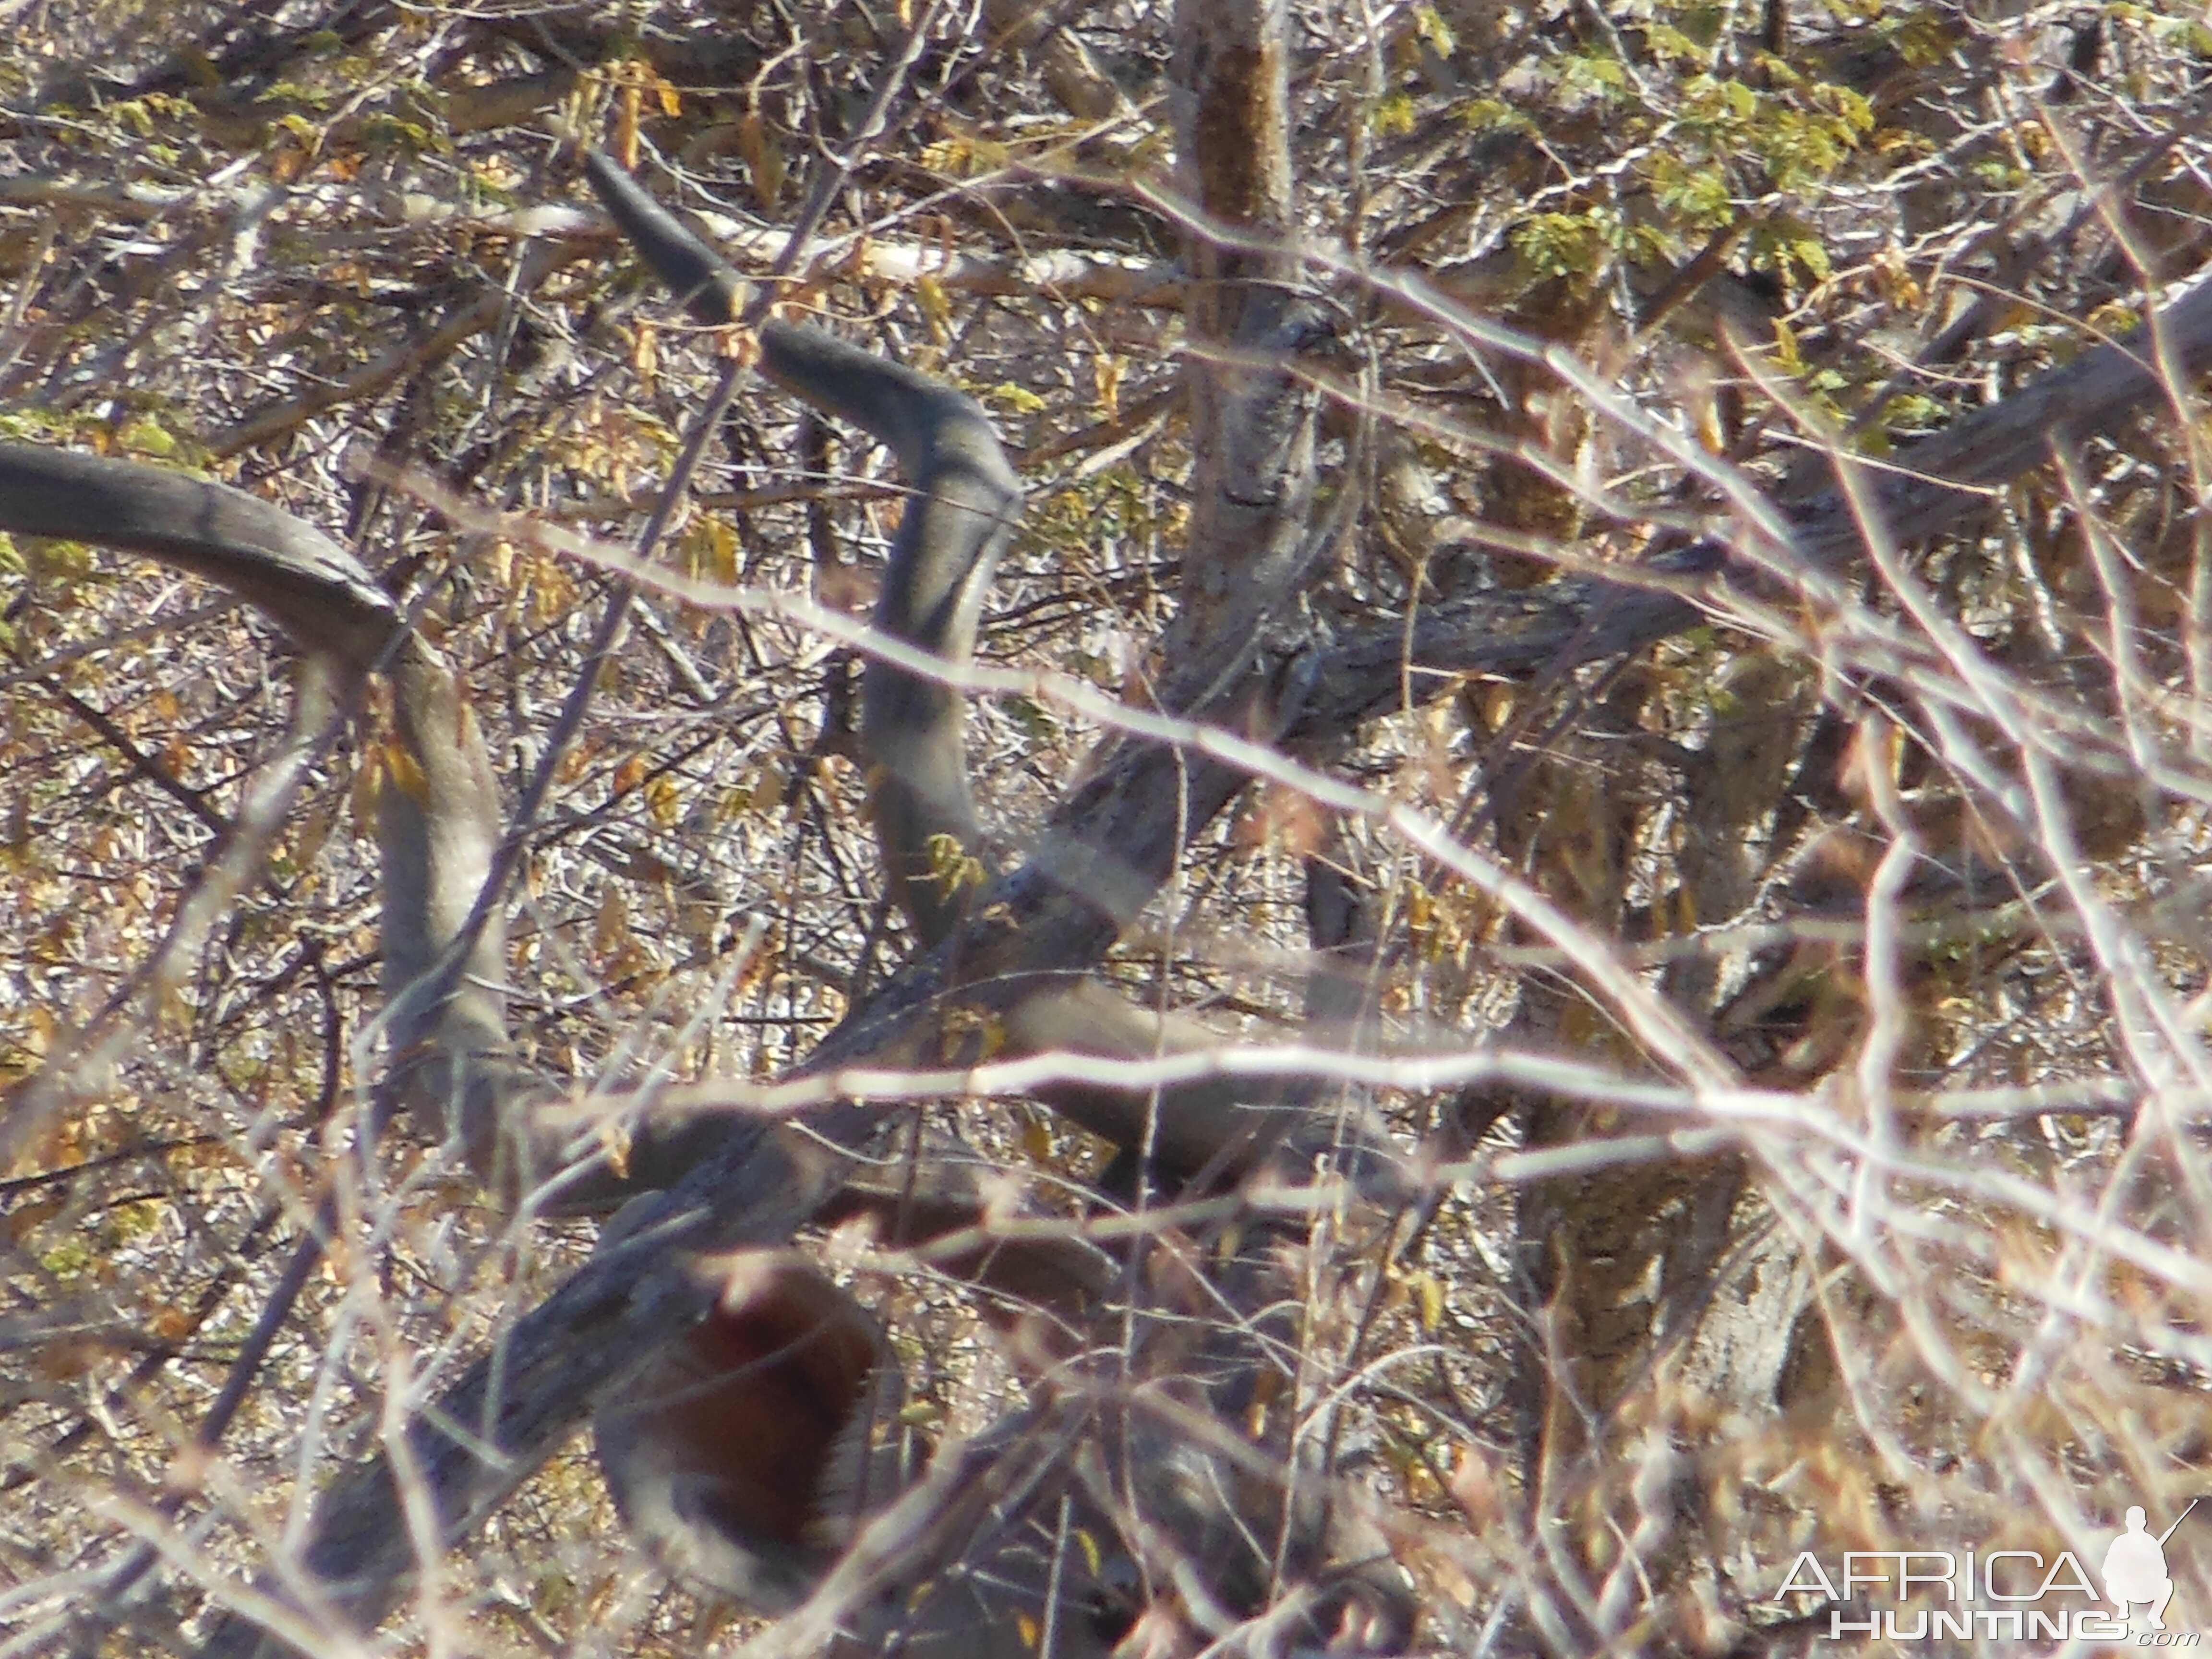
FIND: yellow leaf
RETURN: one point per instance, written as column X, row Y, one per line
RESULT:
column 403, row 771
column 970, row 1031
column 1106, row 372
column 626, row 123
column 1434, row 31
column 615, row 1141
column 952, row 868
column 936, row 308
column 368, row 780
column 1428, row 1293
column 20, row 1222
column 1786, row 351
column 763, row 159
column 19, row 836
column 143, row 435
column 709, row 551
column 760, row 795
column 610, row 928
column 766, row 964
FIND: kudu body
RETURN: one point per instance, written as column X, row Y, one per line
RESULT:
column 758, row 1455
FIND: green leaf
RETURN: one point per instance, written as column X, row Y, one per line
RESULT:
column 1392, row 116
column 1494, row 115
column 1572, row 245
column 1666, row 42
column 141, row 434
column 1433, row 31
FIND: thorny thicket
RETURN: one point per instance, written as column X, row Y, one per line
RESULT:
column 1918, row 857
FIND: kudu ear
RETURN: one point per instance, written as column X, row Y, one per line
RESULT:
column 748, row 1459
column 744, row 1459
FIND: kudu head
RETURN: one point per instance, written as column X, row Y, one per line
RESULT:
column 762, row 1454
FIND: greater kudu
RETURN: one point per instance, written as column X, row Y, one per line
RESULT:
column 757, row 1456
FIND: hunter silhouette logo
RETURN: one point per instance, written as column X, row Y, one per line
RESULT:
column 2135, row 1567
